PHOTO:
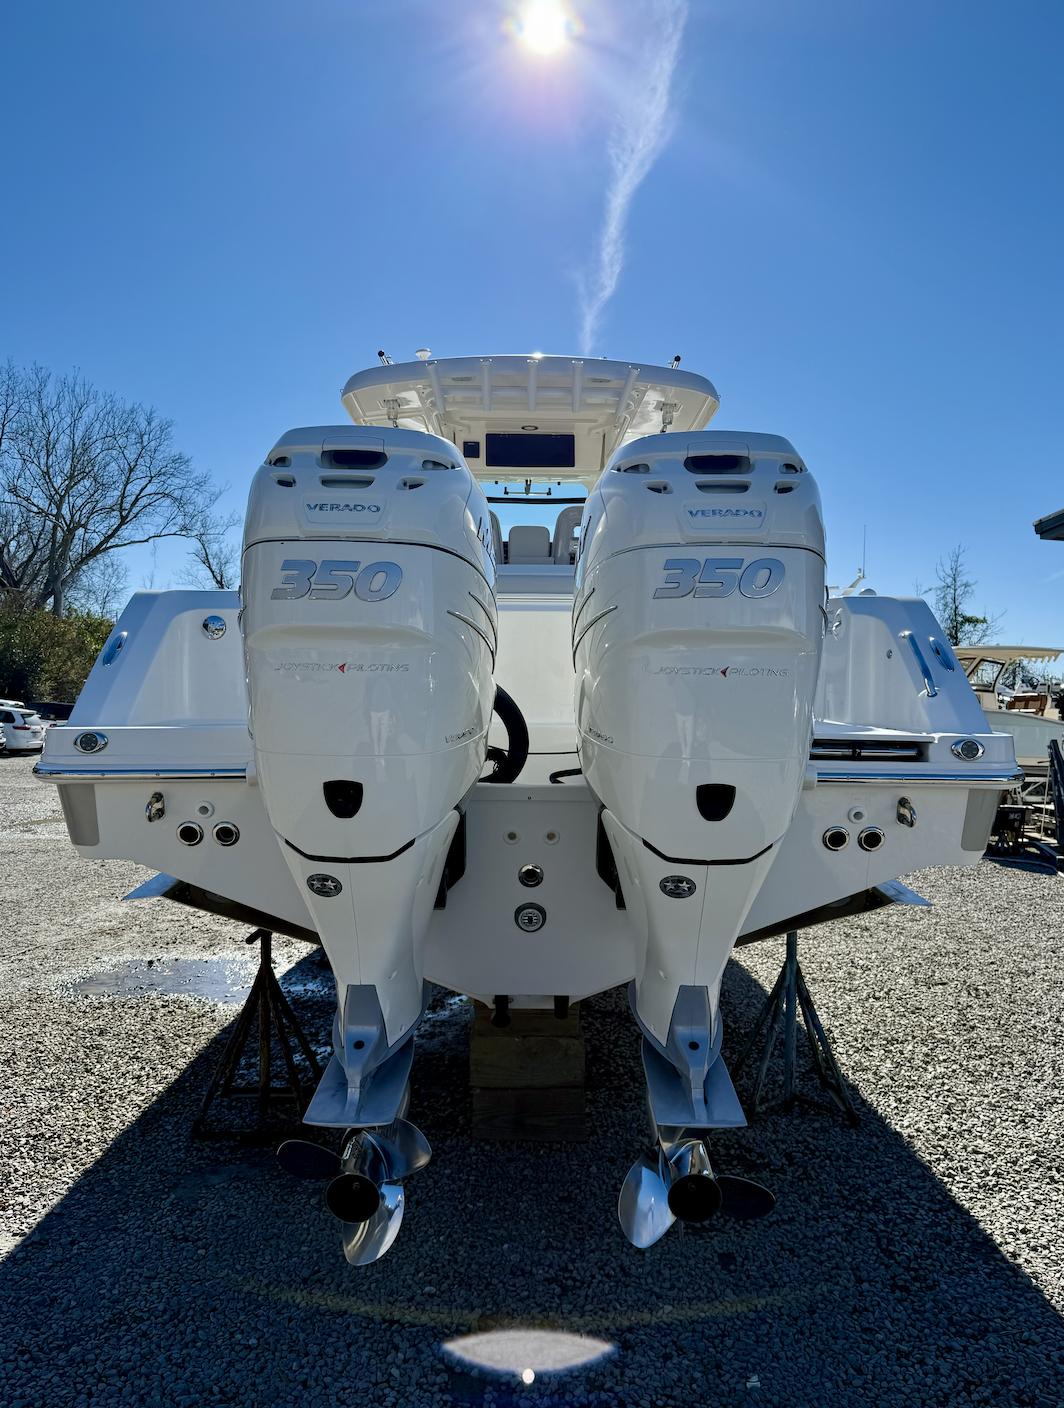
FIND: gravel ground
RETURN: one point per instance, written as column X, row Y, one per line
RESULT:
column 916, row 1260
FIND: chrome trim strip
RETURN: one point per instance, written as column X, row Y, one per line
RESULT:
column 57, row 773
column 915, row 778
column 587, row 597
column 921, row 661
column 468, row 621
column 593, row 622
column 493, row 617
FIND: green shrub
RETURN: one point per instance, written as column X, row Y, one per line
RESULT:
column 48, row 657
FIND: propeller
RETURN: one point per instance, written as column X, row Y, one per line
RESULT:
column 403, row 1147
column 364, row 1190
column 368, row 1241
column 744, row 1199
column 643, row 1204
column 679, row 1185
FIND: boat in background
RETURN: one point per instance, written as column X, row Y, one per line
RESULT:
column 1029, row 716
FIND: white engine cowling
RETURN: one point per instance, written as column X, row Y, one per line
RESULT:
column 369, row 625
column 697, row 629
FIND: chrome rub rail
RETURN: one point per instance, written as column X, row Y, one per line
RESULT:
column 53, row 772
column 914, row 779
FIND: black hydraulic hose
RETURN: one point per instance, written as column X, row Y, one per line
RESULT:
column 565, row 772
column 509, row 761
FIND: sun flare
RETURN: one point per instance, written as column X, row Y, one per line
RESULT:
column 544, row 26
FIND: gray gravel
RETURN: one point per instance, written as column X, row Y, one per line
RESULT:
column 916, row 1260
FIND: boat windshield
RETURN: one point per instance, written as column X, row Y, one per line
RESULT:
column 552, row 509
column 984, row 674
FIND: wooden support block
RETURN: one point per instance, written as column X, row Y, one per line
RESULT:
column 526, row 1062
column 527, row 1078
column 544, row 1115
column 529, row 1021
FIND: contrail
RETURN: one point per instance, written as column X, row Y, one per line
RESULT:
column 640, row 133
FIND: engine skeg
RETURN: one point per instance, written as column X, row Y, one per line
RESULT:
column 698, row 627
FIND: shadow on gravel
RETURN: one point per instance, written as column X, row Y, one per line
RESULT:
column 181, row 1273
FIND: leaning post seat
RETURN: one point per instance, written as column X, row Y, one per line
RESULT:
column 528, row 543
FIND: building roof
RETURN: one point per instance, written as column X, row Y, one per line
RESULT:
column 1051, row 527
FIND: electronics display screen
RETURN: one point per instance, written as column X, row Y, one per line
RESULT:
column 514, row 451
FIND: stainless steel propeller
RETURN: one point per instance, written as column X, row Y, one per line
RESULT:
column 403, row 1146
column 364, row 1190
column 678, row 1184
column 368, row 1241
column 366, row 1197
column 643, row 1205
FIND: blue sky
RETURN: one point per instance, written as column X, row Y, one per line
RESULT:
column 224, row 209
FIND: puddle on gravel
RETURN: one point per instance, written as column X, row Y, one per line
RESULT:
column 213, row 979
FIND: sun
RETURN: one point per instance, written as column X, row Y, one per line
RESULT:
column 544, row 26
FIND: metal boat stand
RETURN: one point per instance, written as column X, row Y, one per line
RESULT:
column 779, row 1014
column 268, row 1010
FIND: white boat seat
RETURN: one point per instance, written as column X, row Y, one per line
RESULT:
column 528, row 542
column 566, row 532
column 496, row 534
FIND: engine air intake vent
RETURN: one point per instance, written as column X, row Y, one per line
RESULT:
column 714, row 800
column 343, row 797
column 880, row 750
column 717, row 464
column 354, row 459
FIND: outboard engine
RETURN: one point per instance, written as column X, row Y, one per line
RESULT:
column 369, row 627
column 697, row 629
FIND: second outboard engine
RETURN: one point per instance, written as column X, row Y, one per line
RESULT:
column 697, row 629
column 369, row 626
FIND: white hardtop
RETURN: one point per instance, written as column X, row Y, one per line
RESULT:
column 1005, row 654
column 602, row 404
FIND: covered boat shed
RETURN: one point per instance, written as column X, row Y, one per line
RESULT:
column 1051, row 527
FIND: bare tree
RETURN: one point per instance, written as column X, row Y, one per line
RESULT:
column 214, row 558
column 20, row 541
column 954, row 591
column 83, row 474
column 102, row 588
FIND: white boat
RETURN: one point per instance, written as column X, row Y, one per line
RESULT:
column 1028, row 718
column 691, row 745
